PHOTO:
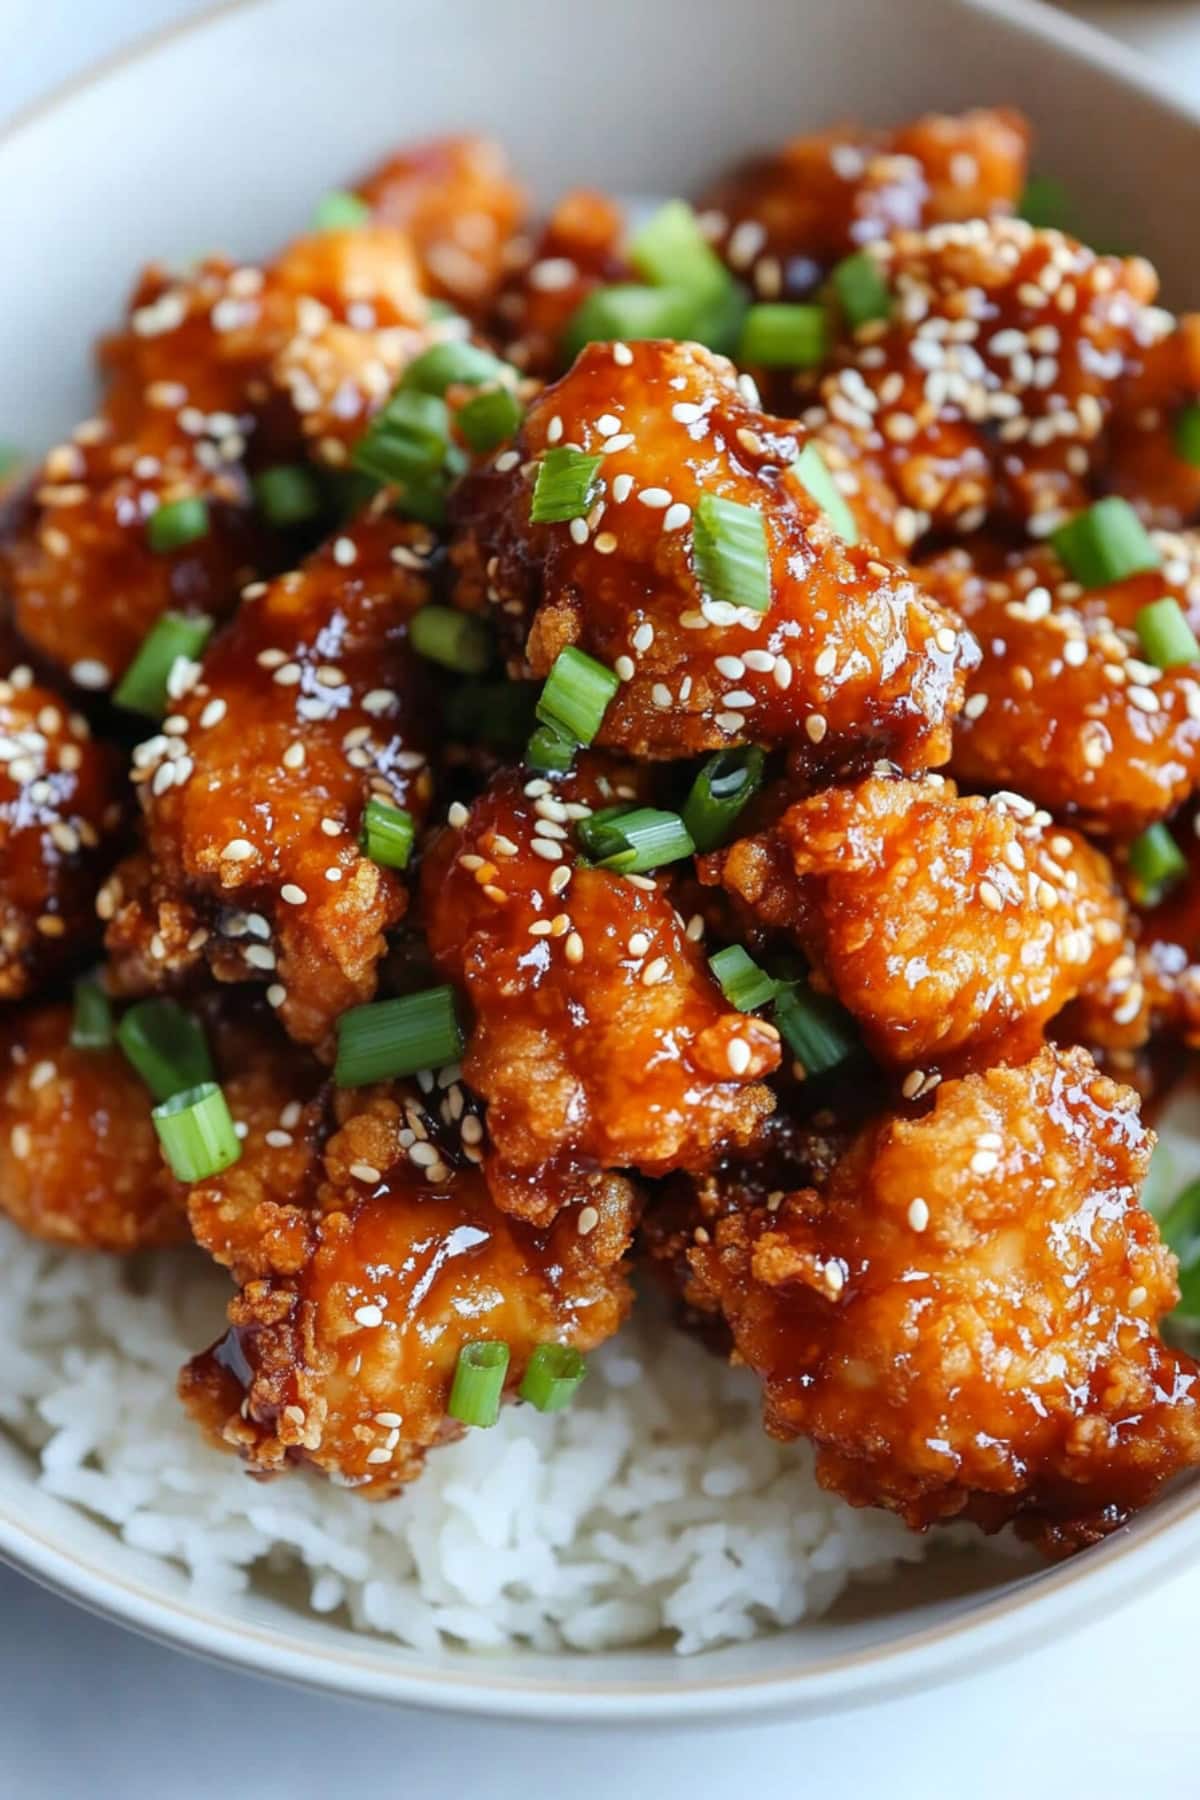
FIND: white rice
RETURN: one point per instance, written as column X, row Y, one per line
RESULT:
column 655, row 1504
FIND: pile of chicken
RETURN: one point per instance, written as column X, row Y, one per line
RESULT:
column 934, row 1259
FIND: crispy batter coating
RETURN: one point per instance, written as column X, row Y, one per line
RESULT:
column 61, row 813
column 850, row 661
column 987, row 391
column 600, row 1039
column 1063, row 707
column 965, row 1320
column 363, row 1273
column 1143, row 461
column 782, row 219
column 950, row 926
column 578, row 249
column 456, row 199
column 304, row 708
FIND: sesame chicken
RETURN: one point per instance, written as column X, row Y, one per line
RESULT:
column 578, row 248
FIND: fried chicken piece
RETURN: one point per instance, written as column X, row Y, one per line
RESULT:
column 987, row 391
column 456, row 199
column 578, row 249
column 784, row 218
column 600, row 1039
column 363, row 1274
column 951, row 927
column 309, row 704
column 965, row 1320
column 1064, row 707
column 1143, row 461
column 850, row 660
column 60, row 816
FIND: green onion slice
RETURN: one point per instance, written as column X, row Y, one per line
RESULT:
column 454, row 363
column 166, row 1045
column 288, row 494
column 197, row 1132
column 671, row 251
column 819, row 1032
column 143, row 687
column 576, row 695
column 1179, row 1229
column 478, row 1384
column 553, row 1376
column 1157, row 862
column 1165, row 634
column 778, row 335
column 862, row 293
column 390, row 1038
column 457, row 640
column 422, row 497
column 565, row 486
column 387, row 834
column 488, row 418
column 1106, row 543
column 718, row 794
column 812, row 472
column 743, row 983
column 1046, row 204
column 632, row 842
column 11, row 459
column 177, row 523
column 550, row 750
column 627, row 312
column 91, row 1024
column 340, row 211
column 1185, row 433
column 407, row 439
column 729, row 553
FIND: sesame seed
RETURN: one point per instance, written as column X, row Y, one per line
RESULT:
column 918, row 1214
column 278, row 1140
column 622, row 354
column 368, row 1315
column 607, row 424
column 912, row 1084
column 578, row 529
column 655, row 972
column 41, row 1073
column 605, row 543
column 554, row 430
column 288, row 674
column 638, row 944
column 622, row 487
column 945, row 638
column 545, row 848
column 573, row 948
column 88, row 672
column 559, row 878
column 588, row 1220
column 738, row 1054
column 345, row 552
column 238, row 850
column 816, row 725
column 365, row 1171
column 21, row 1140
column 677, row 516
column 457, row 815
column 694, row 930
column 295, row 896
column 259, row 956
column 657, row 499
column 333, row 873
column 984, row 1162
column 276, row 994
column 331, row 828
column 991, row 896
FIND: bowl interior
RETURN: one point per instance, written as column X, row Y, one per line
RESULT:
column 221, row 136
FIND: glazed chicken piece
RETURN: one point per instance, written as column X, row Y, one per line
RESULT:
column 783, row 219
column 1144, row 462
column 253, row 794
column 456, row 200
column 1064, row 707
column 363, row 1272
column 986, row 392
column 61, row 814
column 848, row 662
column 965, row 1320
column 951, row 927
column 578, row 249
column 80, row 1162
column 600, row 1039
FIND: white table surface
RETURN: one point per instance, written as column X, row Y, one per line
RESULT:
column 88, row 1710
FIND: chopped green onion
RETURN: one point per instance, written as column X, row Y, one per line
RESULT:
column 176, row 523
column 478, row 1383
column 340, row 211
column 11, row 459
column 729, row 553
column 671, row 251
column 197, row 1132
column 550, row 750
column 632, row 842
column 1166, row 636
column 812, row 472
column 565, row 486
column 627, row 312
column 1045, row 204
column 553, row 1376
column 862, row 293
column 1157, row 862
column 819, row 1032
column 454, row 363
column 422, row 497
column 1179, row 1229
column 719, row 792
column 166, row 1045
column 488, row 418
column 387, row 834
column 91, row 1026
column 407, row 439
column 457, row 640
column 491, row 712
column 718, row 322
column 576, row 695
column 288, row 495
column 1185, row 433
column 1106, row 543
column 783, row 336
column 143, row 687
column 397, row 1037
column 743, row 983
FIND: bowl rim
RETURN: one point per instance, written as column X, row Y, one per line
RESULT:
column 980, row 1634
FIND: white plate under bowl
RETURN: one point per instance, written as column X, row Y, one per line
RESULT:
column 221, row 134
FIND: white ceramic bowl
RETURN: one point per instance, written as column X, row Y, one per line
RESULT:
column 221, row 133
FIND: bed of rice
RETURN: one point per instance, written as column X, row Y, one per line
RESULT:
column 655, row 1504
